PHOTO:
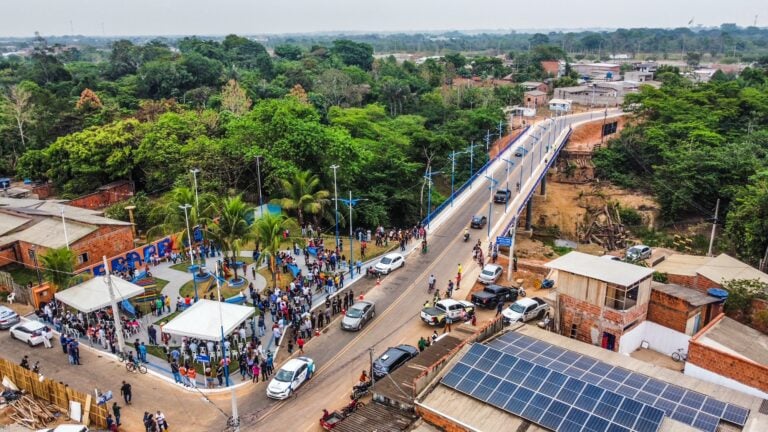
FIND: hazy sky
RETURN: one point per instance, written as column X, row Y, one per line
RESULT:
column 167, row 17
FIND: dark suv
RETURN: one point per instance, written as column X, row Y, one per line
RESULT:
column 492, row 295
column 502, row 196
column 478, row 221
column 393, row 358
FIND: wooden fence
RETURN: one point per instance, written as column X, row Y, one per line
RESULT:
column 56, row 393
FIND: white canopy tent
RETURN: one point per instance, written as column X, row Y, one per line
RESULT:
column 201, row 320
column 93, row 294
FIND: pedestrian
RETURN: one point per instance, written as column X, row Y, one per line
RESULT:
column 434, row 336
column 143, row 353
column 270, row 364
column 363, row 377
column 183, row 374
column 125, row 391
column 300, row 344
column 162, row 424
column 310, row 370
column 116, row 411
column 175, row 372
column 255, row 371
column 448, row 322
column 264, row 370
column 47, row 336
column 276, row 333
column 152, row 332
column 458, row 281
column 290, row 346
column 192, row 377
column 499, row 308
column 514, row 263
column 262, row 325
column 220, row 375
column 422, row 344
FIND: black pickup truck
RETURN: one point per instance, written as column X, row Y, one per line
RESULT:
column 492, row 295
column 502, row 196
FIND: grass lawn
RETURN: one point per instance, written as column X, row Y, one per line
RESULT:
column 184, row 265
column 166, row 319
column 22, row 275
column 206, row 287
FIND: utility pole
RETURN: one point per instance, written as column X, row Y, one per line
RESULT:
column 64, row 223
column 113, row 302
column 258, row 178
column 186, row 207
column 336, row 204
column 471, row 162
column 714, row 228
column 370, row 372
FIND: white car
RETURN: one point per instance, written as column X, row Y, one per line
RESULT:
column 490, row 274
column 31, row 332
column 390, row 262
column 526, row 309
column 290, row 377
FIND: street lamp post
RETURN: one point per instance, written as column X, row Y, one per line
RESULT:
column 453, row 170
column 351, row 202
column 336, row 203
column 509, row 164
column 428, row 177
column 258, row 179
column 186, row 207
column 64, row 223
column 471, row 163
column 194, row 172
column 492, row 187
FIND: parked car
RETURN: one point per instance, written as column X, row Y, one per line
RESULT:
column 289, row 378
column 525, row 310
column 390, row 262
column 502, row 196
column 490, row 273
column 638, row 252
column 492, row 295
column 393, row 358
column 358, row 315
column 435, row 316
column 478, row 221
column 31, row 332
column 8, row 317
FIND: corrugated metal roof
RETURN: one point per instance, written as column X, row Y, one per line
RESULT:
column 690, row 295
column 376, row 417
column 681, row 264
column 725, row 268
column 53, row 208
column 616, row 272
column 10, row 222
column 49, row 233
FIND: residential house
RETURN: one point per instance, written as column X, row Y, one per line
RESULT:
column 702, row 273
column 535, row 98
column 534, row 85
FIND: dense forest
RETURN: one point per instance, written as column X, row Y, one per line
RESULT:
column 692, row 144
column 150, row 113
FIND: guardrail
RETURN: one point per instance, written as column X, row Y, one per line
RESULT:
column 472, row 178
column 543, row 173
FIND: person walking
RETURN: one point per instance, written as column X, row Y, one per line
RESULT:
column 175, row 372
column 422, row 344
column 192, row 377
column 499, row 308
column 116, row 411
column 125, row 391
column 300, row 344
column 458, row 281
column 448, row 321
column 255, row 371
column 162, row 424
column 143, row 353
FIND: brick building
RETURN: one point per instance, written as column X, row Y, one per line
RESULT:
column 535, row 99
column 105, row 195
column 682, row 309
column 29, row 227
column 599, row 300
column 702, row 273
column 730, row 354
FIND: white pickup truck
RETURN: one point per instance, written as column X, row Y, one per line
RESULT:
column 435, row 316
column 525, row 310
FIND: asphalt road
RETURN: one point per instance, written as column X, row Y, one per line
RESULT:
column 340, row 356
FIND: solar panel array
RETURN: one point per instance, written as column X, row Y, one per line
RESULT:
column 686, row 406
column 546, row 397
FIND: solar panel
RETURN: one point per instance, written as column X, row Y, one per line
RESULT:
column 686, row 406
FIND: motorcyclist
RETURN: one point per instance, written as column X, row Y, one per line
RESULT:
column 466, row 234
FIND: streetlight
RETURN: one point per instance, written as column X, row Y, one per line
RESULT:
column 194, row 172
column 509, row 163
column 492, row 187
column 351, row 202
column 234, row 421
column 428, row 176
column 186, row 207
column 64, row 223
column 258, row 178
column 336, row 203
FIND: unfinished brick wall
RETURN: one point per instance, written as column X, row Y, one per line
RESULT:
column 727, row 365
column 8, row 256
column 108, row 240
column 587, row 316
column 105, row 196
column 697, row 282
column 669, row 311
column 439, row 421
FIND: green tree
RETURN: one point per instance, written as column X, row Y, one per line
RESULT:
column 230, row 227
column 170, row 215
column 268, row 233
column 303, row 196
column 353, row 53
column 288, row 51
column 59, row 267
column 747, row 221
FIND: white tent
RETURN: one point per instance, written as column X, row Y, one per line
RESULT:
column 201, row 320
column 93, row 294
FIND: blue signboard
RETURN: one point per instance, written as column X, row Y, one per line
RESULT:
column 504, row 241
column 203, row 358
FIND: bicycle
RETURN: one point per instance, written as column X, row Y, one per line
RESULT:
column 134, row 367
column 680, row 355
column 122, row 356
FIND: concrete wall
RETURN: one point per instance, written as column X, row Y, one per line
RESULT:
column 705, row 375
column 660, row 339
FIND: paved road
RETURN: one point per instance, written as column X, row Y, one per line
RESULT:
column 341, row 356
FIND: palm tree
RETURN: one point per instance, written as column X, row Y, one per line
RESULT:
column 231, row 229
column 301, row 195
column 59, row 267
column 172, row 216
column 268, row 231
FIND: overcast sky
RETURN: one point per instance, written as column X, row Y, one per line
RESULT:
column 220, row 17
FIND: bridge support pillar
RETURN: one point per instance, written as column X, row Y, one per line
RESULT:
column 544, row 185
column 528, row 214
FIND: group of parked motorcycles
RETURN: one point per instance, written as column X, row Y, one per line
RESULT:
column 331, row 419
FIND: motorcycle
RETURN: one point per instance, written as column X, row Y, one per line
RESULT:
column 466, row 237
column 547, row 283
column 521, row 292
column 360, row 390
column 36, row 367
column 352, row 407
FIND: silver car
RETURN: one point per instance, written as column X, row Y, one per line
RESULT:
column 358, row 315
column 490, row 273
column 8, row 317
